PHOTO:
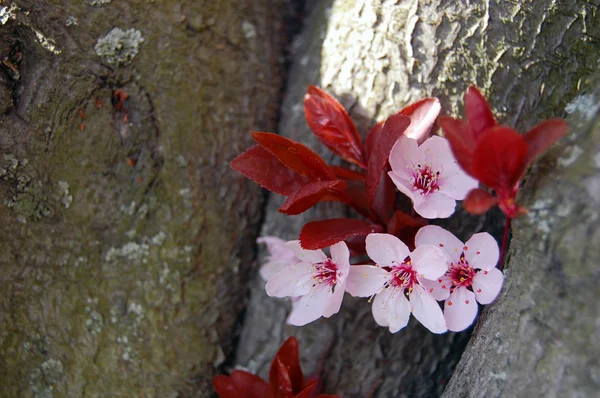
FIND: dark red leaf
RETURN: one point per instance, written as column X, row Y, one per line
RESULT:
column 289, row 358
column 262, row 167
column 372, row 138
column 296, row 156
column 307, row 391
column 384, row 199
column 499, row 158
column 343, row 173
column 311, row 194
column 281, row 383
column 331, row 123
column 542, row 136
column 327, row 396
column 225, row 388
column 478, row 112
column 478, row 201
column 461, row 141
column 250, row 384
column 319, row 234
column 405, row 227
column 393, row 128
column 422, row 117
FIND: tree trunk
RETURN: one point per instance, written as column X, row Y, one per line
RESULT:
column 532, row 59
column 125, row 236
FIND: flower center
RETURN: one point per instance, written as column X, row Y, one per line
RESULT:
column 425, row 179
column 402, row 276
column 461, row 274
column 325, row 273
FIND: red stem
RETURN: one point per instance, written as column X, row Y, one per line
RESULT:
column 504, row 242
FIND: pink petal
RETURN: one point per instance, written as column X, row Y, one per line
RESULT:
column 390, row 308
column 380, row 307
column 460, row 309
column 365, row 280
column 335, row 302
column 435, row 289
column 438, row 236
column 455, row 183
column 435, row 205
column 294, row 280
column 309, row 256
column 403, row 185
column 310, row 307
column 340, row 255
column 384, row 249
column 436, row 153
column 402, row 155
column 427, row 311
column 429, row 261
column 482, row 251
column 270, row 268
column 422, row 118
column 487, row 285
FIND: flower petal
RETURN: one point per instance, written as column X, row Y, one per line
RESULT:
column 436, row 153
column 365, row 280
column 482, row 251
column 427, row 311
column 487, row 285
column 403, row 184
column 294, row 280
column 381, row 307
column 435, row 289
column 400, row 312
column 310, row 256
column 384, row 249
column 402, row 156
column 435, row 205
column 429, row 261
column 310, row 307
column 438, row 236
column 460, row 309
column 335, row 302
column 455, row 183
column 340, row 255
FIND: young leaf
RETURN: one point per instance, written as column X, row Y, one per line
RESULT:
column 478, row 201
column 422, row 117
column 262, row 167
column 288, row 357
column 296, row 156
column 281, row 384
column 343, row 173
column 310, row 194
column 393, row 128
column 405, row 227
column 384, row 199
column 478, row 112
column 542, row 136
column 331, row 123
column 372, row 138
column 461, row 141
column 224, row 387
column 499, row 158
column 319, row 234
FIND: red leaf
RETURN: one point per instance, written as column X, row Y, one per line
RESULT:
column 330, row 122
column 461, row 141
column 327, row 396
column 346, row 174
column 405, row 227
column 393, row 128
column 307, row 392
column 542, row 136
column 286, row 366
column 357, row 196
column 422, row 117
column 225, row 388
column 311, row 194
column 296, row 156
column 478, row 201
column 281, row 384
column 372, row 138
column 262, row 167
column 384, row 199
column 478, row 111
column 499, row 158
column 241, row 384
column 319, row 234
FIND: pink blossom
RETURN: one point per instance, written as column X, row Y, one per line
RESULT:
column 280, row 256
column 429, row 175
column 472, row 274
column 319, row 281
column 399, row 274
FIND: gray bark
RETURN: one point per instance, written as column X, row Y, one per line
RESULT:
column 126, row 238
column 532, row 59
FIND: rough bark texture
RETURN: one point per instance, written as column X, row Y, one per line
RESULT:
column 531, row 59
column 123, row 228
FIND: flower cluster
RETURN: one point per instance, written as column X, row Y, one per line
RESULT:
column 411, row 265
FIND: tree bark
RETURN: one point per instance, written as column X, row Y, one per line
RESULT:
column 532, row 59
column 125, row 236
